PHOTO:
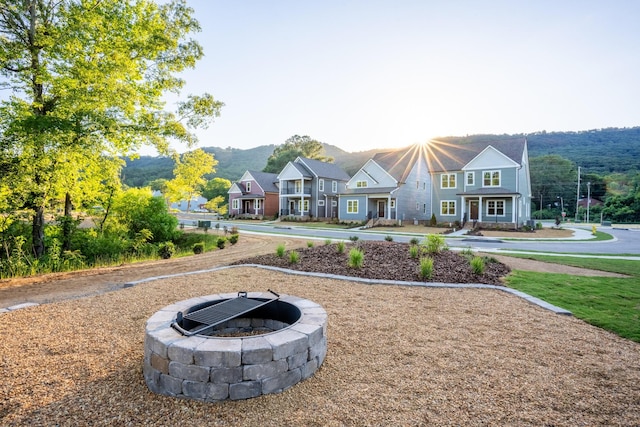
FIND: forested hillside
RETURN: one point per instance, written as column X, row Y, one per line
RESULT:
column 602, row 151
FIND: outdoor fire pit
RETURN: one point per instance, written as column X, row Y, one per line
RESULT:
column 233, row 346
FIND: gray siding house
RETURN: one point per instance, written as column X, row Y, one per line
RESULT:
column 481, row 182
column 310, row 188
column 392, row 186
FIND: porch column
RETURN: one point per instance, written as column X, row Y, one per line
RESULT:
column 479, row 208
column 389, row 207
column 513, row 209
column 464, row 209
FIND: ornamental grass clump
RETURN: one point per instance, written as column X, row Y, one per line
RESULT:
column 340, row 247
column 309, row 244
column 414, row 251
column 280, row 250
column 477, row 265
column 426, row 267
column 356, row 258
column 294, row 257
column 434, row 243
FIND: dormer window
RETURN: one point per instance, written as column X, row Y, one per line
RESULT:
column 248, row 186
column 362, row 184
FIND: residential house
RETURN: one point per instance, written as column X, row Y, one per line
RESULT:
column 310, row 188
column 481, row 182
column 255, row 195
column 391, row 186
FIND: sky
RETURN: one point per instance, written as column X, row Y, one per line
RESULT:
column 383, row 74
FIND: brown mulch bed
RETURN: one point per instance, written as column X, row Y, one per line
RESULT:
column 386, row 261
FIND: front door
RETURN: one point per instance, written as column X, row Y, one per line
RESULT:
column 473, row 208
column 381, row 209
column 292, row 207
column 247, row 206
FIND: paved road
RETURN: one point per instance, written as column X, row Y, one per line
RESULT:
column 627, row 241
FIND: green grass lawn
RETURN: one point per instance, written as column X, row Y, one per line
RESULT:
column 610, row 303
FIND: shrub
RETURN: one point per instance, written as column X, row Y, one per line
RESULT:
column 413, row 251
column 433, row 221
column 234, row 230
column 280, row 250
column 166, row 250
column 414, row 241
column 594, row 230
column 294, row 257
column 340, row 247
column 434, row 243
column 233, row 239
column 538, row 226
column 467, row 252
column 477, row 265
column 309, row 244
column 354, row 238
column 388, row 238
column 356, row 258
column 198, row 248
column 327, row 241
column 221, row 242
column 426, row 267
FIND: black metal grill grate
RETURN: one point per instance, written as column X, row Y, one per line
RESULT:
column 213, row 315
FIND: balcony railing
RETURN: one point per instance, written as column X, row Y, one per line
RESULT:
column 292, row 190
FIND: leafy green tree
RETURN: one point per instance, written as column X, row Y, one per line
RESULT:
column 293, row 147
column 217, row 205
column 136, row 210
column 189, row 175
column 88, row 77
column 217, row 187
column 553, row 176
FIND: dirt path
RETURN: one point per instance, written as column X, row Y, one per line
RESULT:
column 64, row 286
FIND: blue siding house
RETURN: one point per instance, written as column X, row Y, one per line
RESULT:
column 482, row 182
column 391, row 186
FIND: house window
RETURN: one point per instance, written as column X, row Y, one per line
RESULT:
column 393, row 203
column 448, row 207
column 320, row 202
column 248, row 186
column 303, row 205
column 491, row 179
column 321, row 184
column 298, row 187
column 495, row 207
column 258, row 203
column 417, row 185
column 334, row 203
column 235, row 204
column 362, row 184
column 424, row 208
column 424, row 185
column 417, row 206
column 334, row 186
column 448, row 180
column 471, row 178
column 352, row 206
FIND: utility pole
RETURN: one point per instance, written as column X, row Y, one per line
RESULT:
column 578, row 194
column 588, row 199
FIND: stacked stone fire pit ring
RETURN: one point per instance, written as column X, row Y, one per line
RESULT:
column 278, row 354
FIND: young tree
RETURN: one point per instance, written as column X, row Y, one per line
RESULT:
column 88, row 77
column 217, row 204
column 217, row 187
column 293, row 147
column 189, row 175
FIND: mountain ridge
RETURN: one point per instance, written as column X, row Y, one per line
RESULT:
column 601, row 151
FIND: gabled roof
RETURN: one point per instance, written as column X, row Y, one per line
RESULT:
column 446, row 156
column 324, row 169
column 399, row 163
column 266, row 180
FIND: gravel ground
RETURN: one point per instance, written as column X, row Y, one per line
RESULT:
column 396, row 356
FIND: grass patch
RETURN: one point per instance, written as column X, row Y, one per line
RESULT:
column 610, row 303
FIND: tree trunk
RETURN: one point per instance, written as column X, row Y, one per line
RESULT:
column 67, row 223
column 37, row 232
